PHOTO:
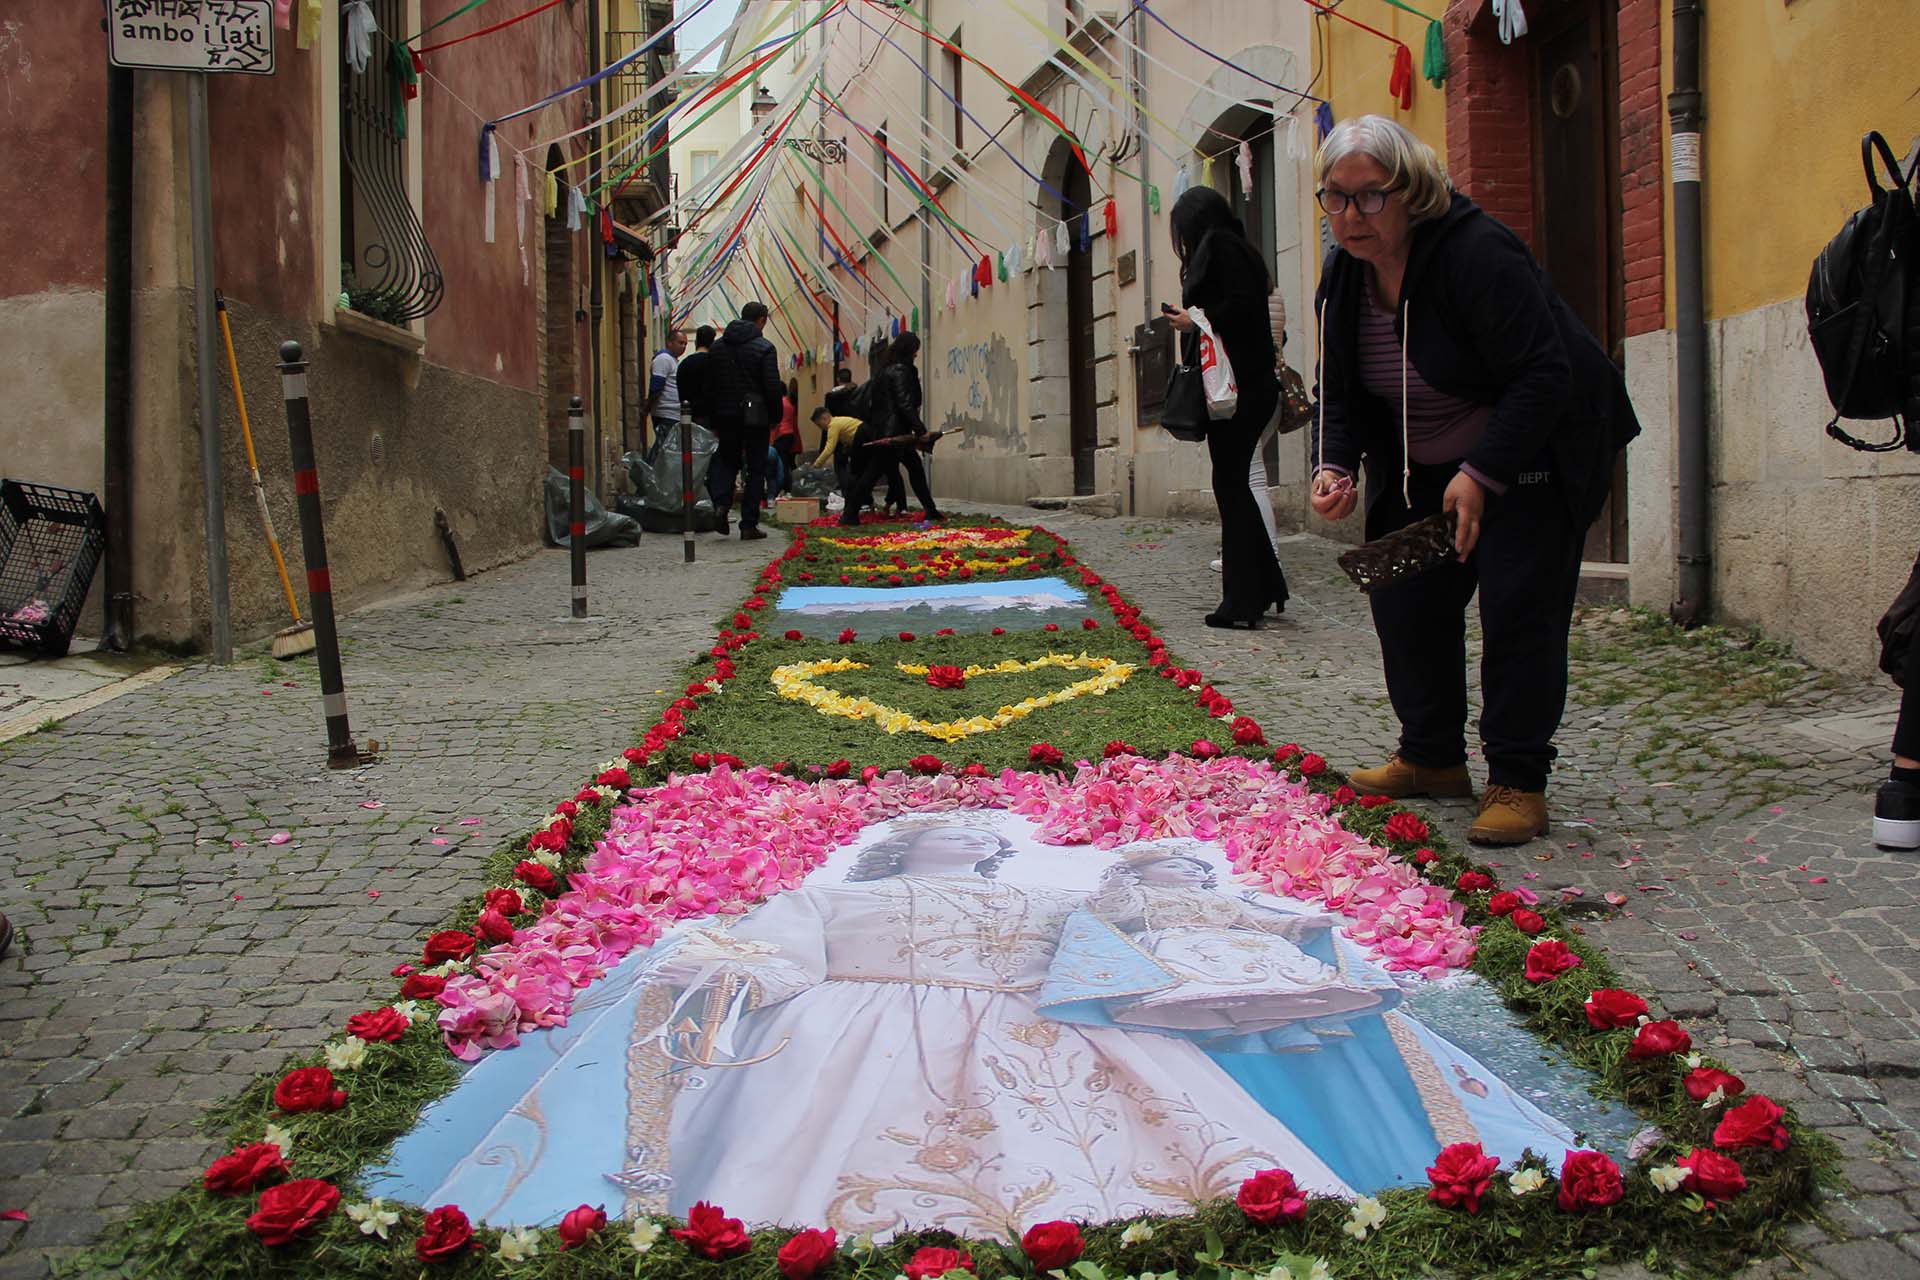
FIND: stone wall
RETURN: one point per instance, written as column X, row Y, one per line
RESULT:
column 1810, row 540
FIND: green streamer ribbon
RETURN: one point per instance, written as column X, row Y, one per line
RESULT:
column 1435, row 68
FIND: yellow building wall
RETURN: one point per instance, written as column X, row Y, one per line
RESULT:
column 1789, row 90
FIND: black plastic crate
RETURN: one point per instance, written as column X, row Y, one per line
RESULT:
column 50, row 545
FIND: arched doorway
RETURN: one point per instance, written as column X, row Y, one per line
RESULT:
column 1254, row 203
column 558, row 320
column 1083, row 432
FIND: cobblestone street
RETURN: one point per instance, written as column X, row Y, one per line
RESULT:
column 1712, row 811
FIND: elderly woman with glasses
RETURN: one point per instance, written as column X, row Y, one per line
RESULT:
column 1460, row 381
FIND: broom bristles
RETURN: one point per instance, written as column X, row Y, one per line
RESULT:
column 293, row 641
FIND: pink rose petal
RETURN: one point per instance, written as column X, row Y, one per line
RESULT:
column 13, row 1215
column 439, row 840
column 471, row 822
column 280, row 837
column 371, row 804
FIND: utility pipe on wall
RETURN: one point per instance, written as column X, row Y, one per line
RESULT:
column 1693, row 553
column 117, row 347
column 597, row 259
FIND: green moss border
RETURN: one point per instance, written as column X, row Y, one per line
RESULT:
column 193, row 1234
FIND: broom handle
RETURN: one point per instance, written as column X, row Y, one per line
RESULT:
column 253, row 465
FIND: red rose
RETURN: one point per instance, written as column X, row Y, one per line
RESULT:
column 494, row 927
column 1246, row 732
column 537, row 876
column 1204, row 749
column 422, row 986
column 634, row 755
column 1406, row 828
column 505, row 901
column 946, row 677
column 580, row 1225
column 588, row 796
column 925, row 764
column 1714, row 1176
column 292, row 1209
column 1044, row 753
column 445, row 1234
column 1548, row 960
column 616, row 777
column 308, row 1089
column 1344, row 794
column 1473, row 881
column 401, row 970
column 1053, row 1245
column 1460, row 1175
column 1589, row 1180
column 712, row 1234
column 245, row 1168
column 378, row 1025
column 1312, row 766
column 1528, row 922
column 1611, row 1007
column 1659, row 1040
column 1754, row 1123
column 1702, row 1081
column 906, row 635
column 1051, row 626
column 998, row 631
column 847, row 636
column 742, row 621
column 1286, row 753
column 1271, row 1196
column 839, row 769
column 1503, row 903
column 869, row 772
column 1088, row 624
column 1113, row 749
column 931, row 1263
column 975, row 770
column 1425, row 857
column 944, row 631
column 448, row 944
column 1374, row 802
column 804, row 1254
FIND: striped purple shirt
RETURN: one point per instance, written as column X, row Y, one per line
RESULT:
column 1441, row 428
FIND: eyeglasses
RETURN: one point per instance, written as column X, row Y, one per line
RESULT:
column 1366, row 203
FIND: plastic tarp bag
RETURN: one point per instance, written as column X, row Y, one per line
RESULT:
column 603, row 527
column 812, row 482
column 1216, row 371
column 656, row 477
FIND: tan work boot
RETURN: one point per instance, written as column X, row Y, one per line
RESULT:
column 1402, row 778
column 1509, row 816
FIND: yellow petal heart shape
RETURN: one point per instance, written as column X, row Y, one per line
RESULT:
column 797, row 680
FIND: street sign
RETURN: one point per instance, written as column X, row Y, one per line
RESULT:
column 192, row 35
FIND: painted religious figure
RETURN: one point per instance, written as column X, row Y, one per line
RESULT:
column 953, row 1025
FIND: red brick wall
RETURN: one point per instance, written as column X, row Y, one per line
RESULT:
column 1642, row 173
column 1489, row 116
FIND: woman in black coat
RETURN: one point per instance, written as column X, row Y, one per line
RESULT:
column 1223, row 274
column 895, row 418
column 1453, row 373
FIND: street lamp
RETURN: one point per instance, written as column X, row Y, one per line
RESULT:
column 819, row 148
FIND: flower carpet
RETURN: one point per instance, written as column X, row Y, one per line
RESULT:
column 1011, row 948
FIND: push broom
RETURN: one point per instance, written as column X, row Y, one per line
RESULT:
column 288, row 642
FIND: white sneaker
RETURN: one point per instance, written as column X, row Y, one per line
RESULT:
column 1214, row 565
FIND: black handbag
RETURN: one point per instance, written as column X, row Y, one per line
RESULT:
column 1184, row 412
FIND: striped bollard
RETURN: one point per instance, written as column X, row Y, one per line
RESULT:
column 341, row 752
column 577, row 502
column 686, row 489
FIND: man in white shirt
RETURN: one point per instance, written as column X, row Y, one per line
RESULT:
column 663, row 393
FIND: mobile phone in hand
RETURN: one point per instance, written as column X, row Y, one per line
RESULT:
column 1166, row 309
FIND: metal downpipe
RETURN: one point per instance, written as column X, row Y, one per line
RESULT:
column 1693, row 577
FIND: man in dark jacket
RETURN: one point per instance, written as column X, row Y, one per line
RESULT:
column 743, row 393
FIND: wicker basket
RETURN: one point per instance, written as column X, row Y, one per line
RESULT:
column 1405, row 553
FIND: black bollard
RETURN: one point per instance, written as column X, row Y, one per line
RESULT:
column 686, row 489
column 341, row 752
column 577, row 503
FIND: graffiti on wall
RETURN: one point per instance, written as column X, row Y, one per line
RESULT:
column 976, row 392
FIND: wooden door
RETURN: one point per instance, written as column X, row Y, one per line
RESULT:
column 1576, row 149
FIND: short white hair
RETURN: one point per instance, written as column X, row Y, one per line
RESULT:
column 1415, row 173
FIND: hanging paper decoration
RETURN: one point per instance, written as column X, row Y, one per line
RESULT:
column 1153, row 199
column 952, row 300
column 1400, row 80
column 1243, row 160
column 311, row 14
column 606, row 226
column 1000, row 263
column 1512, row 20
column 1435, row 60
column 1206, row 173
column 576, row 208
column 1061, row 245
column 986, row 272
column 1011, row 257
column 550, row 202
column 489, row 172
column 1291, row 129
column 1323, row 119
column 521, row 195
column 283, row 14
column 358, row 28
column 1043, row 250
column 974, row 284
column 1085, row 221
column 1113, row 216
column 893, row 326
column 914, row 324
column 1181, row 182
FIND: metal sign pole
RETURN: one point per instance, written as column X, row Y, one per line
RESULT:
column 199, row 169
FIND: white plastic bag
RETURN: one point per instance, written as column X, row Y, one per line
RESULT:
column 1216, row 371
